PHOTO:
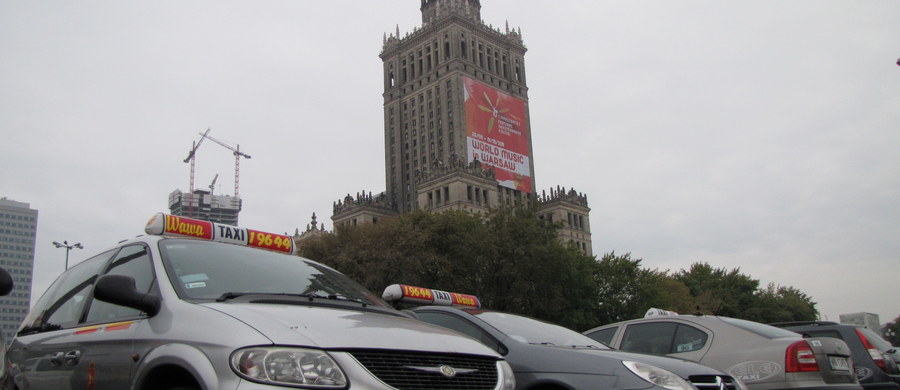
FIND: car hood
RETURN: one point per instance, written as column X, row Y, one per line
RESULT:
column 334, row 328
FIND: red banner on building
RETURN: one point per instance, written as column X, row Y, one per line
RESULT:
column 497, row 134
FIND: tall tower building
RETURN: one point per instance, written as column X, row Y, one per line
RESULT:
column 457, row 128
column 18, row 229
column 455, row 87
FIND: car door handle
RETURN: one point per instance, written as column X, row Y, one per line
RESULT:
column 72, row 357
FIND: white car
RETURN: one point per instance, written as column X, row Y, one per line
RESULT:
column 214, row 311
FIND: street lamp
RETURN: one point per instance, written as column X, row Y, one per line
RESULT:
column 65, row 244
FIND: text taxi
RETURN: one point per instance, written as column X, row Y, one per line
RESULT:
column 197, row 305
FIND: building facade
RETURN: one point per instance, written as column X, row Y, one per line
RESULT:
column 205, row 205
column 457, row 127
column 18, row 230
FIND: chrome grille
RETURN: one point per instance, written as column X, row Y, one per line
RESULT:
column 713, row 382
column 403, row 370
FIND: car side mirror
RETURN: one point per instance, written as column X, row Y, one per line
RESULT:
column 6, row 282
column 121, row 290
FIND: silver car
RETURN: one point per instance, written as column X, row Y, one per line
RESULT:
column 762, row 356
column 163, row 313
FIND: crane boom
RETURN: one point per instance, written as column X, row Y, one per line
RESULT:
column 237, row 160
column 196, row 145
column 237, row 151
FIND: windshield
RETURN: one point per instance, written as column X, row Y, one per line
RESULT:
column 531, row 331
column 202, row 270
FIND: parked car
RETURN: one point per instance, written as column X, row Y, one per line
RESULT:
column 874, row 364
column 550, row 357
column 197, row 305
column 762, row 356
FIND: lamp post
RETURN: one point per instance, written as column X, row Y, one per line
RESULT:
column 65, row 244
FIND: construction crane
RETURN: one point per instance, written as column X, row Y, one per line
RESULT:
column 213, row 184
column 190, row 158
column 237, row 159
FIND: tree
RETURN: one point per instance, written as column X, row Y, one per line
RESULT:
column 625, row 290
column 719, row 291
column 892, row 332
column 782, row 304
column 509, row 258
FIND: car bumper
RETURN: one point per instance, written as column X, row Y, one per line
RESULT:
column 881, row 386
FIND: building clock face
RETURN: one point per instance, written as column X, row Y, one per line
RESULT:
column 497, row 134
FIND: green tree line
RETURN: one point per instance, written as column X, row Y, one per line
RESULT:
column 513, row 261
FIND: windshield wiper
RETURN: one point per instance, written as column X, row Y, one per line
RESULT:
column 311, row 296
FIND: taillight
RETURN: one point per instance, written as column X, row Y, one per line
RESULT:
column 799, row 357
column 873, row 352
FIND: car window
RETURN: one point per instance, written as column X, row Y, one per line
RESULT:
column 460, row 325
column 653, row 338
column 688, row 338
column 604, row 335
column 133, row 261
column 63, row 303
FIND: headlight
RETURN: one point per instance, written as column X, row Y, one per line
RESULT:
column 288, row 366
column 507, row 377
column 658, row 376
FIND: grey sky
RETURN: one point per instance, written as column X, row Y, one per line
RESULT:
column 755, row 134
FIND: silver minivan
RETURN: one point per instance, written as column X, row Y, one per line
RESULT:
column 198, row 305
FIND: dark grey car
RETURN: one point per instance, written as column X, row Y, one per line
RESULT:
column 875, row 367
column 547, row 356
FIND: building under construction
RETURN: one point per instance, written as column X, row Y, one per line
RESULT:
column 203, row 204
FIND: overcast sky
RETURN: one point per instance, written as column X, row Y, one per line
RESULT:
column 762, row 135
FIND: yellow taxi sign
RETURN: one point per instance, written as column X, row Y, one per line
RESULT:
column 427, row 296
column 172, row 225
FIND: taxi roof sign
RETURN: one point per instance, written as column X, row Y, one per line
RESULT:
column 427, row 296
column 171, row 225
column 654, row 312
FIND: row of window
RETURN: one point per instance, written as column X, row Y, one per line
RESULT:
column 15, row 263
column 18, row 217
column 28, row 233
column 14, row 310
column 9, row 255
column 17, row 248
column 16, row 239
column 18, row 225
column 21, row 271
column 17, row 302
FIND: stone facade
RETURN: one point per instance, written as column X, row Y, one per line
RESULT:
column 425, row 133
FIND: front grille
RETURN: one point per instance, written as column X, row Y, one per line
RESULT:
column 394, row 368
column 713, row 382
